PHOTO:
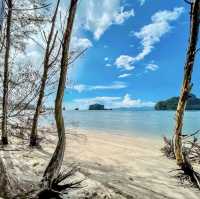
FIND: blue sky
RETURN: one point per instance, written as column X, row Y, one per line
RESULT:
column 136, row 52
column 136, row 57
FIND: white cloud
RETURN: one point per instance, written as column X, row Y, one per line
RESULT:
column 106, row 59
column 80, row 43
column 142, row 2
column 82, row 87
column 108, row 65
column 124, row 75
column 97, row 99
column 151, row 34
column 125, row 62
column 123, row 15
column 129, row 102
column 79, row 87
column 152, row 67
column 111, row 102
column 98, row 16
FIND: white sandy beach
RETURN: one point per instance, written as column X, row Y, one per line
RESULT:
column 113, row 166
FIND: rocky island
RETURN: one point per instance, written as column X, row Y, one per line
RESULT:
column 171, row 103
column 97, row 107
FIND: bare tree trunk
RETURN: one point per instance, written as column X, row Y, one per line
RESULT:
column 6, row 75
column 33, row 137
column 53, row 169
column 181, row 158
column 186, row 87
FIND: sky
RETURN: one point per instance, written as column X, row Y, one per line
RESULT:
column 136, row 55
column 136, row 50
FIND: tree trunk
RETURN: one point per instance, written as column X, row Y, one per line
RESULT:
column 6, row 76
column 53, row 169
column 186, row 87
column 1, row 15
column 33, row 137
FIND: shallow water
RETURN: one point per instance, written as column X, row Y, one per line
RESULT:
column 147, row 123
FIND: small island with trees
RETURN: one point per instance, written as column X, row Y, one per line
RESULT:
column 97, row 107
column 193, row 103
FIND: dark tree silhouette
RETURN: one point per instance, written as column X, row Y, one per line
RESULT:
column 6, row 74
column 49, row 49
column 52, row 176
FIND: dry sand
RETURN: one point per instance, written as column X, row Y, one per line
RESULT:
column 133, row 167
column 113, row 166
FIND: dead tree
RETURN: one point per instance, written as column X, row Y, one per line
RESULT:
column 49, row 48
column 6, row 74
column 181, row 158
column 20, row 21
column 52, row 174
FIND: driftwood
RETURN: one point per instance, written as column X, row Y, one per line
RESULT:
column 190, row 147
column 191, row 154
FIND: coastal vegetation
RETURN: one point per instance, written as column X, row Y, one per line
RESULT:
column 193, row 103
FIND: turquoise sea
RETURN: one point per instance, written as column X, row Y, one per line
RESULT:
column 144, row 123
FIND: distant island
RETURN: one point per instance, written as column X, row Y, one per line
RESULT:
column 193, row 103
column 97, row 107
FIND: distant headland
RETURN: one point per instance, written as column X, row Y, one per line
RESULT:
column 193, row 103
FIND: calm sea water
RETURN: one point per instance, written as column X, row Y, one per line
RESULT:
column 145, row 123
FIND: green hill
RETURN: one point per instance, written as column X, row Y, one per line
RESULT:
column 193, row 103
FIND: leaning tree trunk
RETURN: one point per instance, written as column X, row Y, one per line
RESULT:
column 49, row 48
column 181, row 159
column 53, row 169
column 6, row 75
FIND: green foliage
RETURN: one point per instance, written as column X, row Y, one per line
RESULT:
column 193, row 103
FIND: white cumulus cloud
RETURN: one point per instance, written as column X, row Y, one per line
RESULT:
column 150, row 35
column 125, row 62
column 79, row 43
column 98, row 16
column 111, row 102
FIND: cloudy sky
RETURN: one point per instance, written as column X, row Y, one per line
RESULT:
column 136, row 52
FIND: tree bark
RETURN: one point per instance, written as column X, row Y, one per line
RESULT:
column 53, row 169
column 186, row 86
column 6, row 75
column 33, row 136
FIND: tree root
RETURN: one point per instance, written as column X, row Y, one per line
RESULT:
column 189, row 173
column 59, row 187
column 191, row 152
